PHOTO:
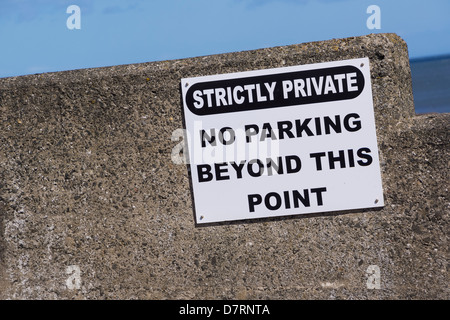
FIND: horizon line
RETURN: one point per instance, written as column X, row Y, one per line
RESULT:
column 430, row 58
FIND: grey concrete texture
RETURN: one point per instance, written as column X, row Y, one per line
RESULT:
column 87, row 180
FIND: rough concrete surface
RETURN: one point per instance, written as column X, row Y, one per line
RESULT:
column 86, row 180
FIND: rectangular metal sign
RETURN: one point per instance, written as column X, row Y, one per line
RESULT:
column 282, row 141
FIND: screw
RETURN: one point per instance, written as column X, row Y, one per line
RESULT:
column 201, row 217
column 376, row 201
column 362, row 65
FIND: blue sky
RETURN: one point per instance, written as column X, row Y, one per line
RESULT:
column 34, row 37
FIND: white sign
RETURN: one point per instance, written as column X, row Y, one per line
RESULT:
column 282, row 141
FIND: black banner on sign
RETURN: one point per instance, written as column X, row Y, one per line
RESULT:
column 275, row 90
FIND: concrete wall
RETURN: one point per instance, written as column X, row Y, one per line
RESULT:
column 92, row 207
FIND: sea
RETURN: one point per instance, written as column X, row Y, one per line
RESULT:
column 431, row 84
